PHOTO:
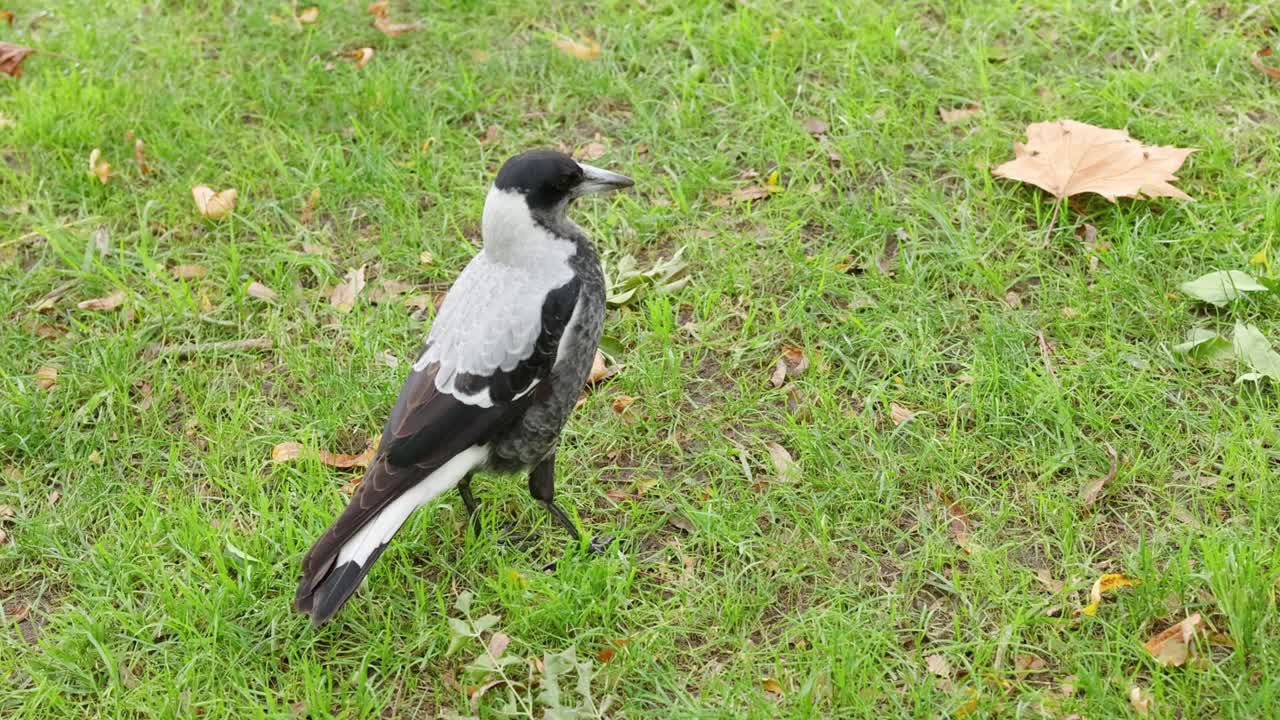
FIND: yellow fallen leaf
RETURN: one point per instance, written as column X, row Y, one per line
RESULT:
column 308, row 15
column 286, row 451
column 1260, row 258
column 213, row 205
column 110, row 301
column 1067, row 158
column 622, row 402
column 1172, row 646
column 98, row 167
column 771, row 686
column 47, row 378
column 1105, row 584
column 584, row 49
column 341, row 460
column 140, row 157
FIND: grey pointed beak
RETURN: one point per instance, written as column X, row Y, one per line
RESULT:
column 595, row 180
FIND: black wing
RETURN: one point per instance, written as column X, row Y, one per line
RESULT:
column 425, row 430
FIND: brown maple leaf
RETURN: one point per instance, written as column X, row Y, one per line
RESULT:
column 1067, row 158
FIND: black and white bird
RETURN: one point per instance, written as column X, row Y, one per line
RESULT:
column 503, row 365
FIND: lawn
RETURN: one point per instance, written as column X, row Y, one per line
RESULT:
column 968, row 365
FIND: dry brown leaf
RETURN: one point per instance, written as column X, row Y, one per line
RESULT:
column 606, row 654
column 814, row 126
column 311, row 248
column 783, row 464
column 140, row 157
column 343, row 461
column 47, row 378
column 1256, row 60
column 1140, row 700
column 308, row 15
column 188, row 272
column 600, row 371
column 381, row 8
column 360, row 56
column 7, row 511
column 492, row 134
column 110, row 301
column 260, row 291
column 621, row 403
column 1172, row 646
column 391, row 29
column 1089, row 495
column 584, row 49
column 889, row 257
column 54, row 497
column 900, row 414
column 938, row 665
column 286, row 451
column 7, row 16
column 1103, row 584
column 11, row 58
column 958, row 523
column 1067, row 158
column 213, row 205
column 498, row 643
column 771, row 686
column 955, row 115
column 592, row 151
column 791, row 364
column 1046, row 579
column 4, row 537
column 98, row 167
column 344, row 296
column 309, row 209
column 1029, row 663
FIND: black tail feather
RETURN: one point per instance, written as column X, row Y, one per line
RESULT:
column 322, row 597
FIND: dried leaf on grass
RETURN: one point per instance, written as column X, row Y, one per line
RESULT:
column 257, row 290
column 783, row 464
column 213, row 205
column 98, row 167
column 1045, row 578
column 958, row 523
column 1105, row 584
column 791, row 364
column 392, row 29
column 600, row 370
column 814, row 126
column 1089, row 495
column 1066, row 158
column 955, row 115
column 47, row 378
column 188, row 272
column 1172, row 646
column 771, row 686
column 309, row 15
column 749, row 193
column 344, row 295
column 1140, row 701
column 1256, row 60
column 584, row 49
column 292, row 450
column 110, row 301
column 938, row 665
column 359, row 56
column 12, row 57
column 140, row 157
column 621, row 403
column 900, row 414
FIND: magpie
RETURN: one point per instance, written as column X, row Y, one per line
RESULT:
column 503, row 365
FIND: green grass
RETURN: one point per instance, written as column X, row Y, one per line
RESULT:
column 138, row 596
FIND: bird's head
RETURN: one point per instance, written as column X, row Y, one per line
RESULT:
column 549, row 181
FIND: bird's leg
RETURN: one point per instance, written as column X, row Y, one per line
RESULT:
column 542, row 486
column 469, row 500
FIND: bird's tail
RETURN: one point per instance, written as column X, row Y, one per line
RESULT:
column 387, row 496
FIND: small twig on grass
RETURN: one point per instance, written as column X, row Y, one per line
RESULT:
column 155, row 350
column 1048, row 359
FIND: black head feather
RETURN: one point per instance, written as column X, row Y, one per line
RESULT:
column 544, row 177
